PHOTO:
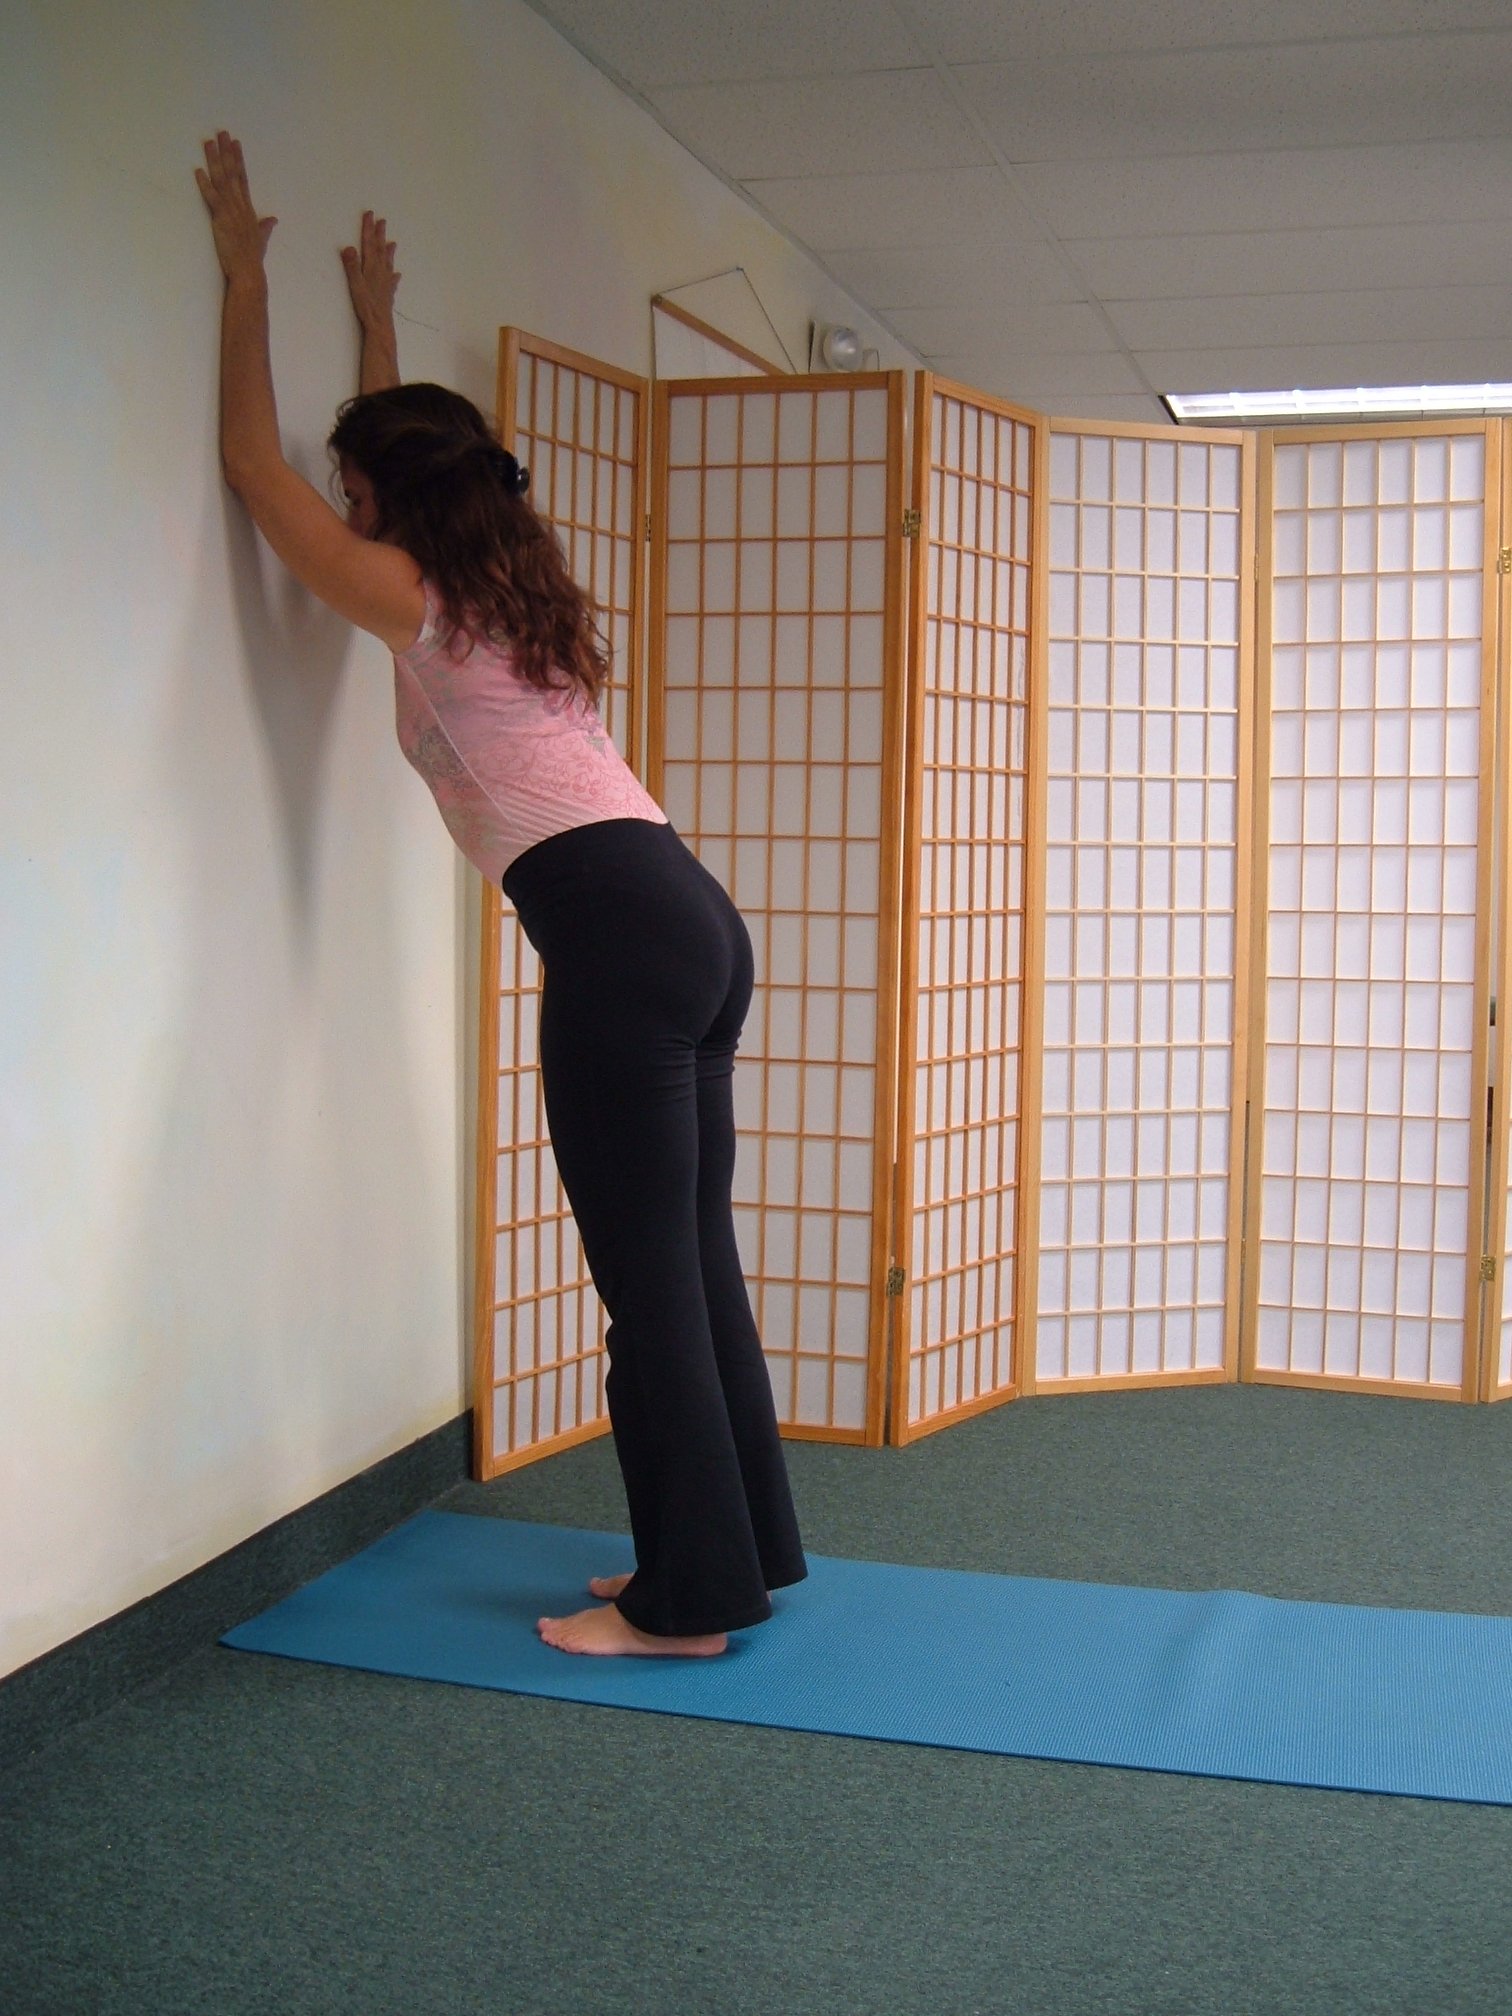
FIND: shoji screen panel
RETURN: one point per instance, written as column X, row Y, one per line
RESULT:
column 1146, row 864
column 1367, row 1138
column 775, row 733
column 976, row 487
column 580, row 426
column 1496, row 1351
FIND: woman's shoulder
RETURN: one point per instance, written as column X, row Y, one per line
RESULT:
column 463, row 656
column 433, row 626
column 445, row 643
column 477, row 654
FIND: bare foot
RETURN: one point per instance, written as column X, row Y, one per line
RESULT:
column 608, row 1633
column 606, row 1587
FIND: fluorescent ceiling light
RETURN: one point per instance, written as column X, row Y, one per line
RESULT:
column 1365, row 402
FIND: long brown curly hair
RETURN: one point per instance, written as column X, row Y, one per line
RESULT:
column 452, row 497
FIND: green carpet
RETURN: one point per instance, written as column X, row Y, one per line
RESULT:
column 257, row 1835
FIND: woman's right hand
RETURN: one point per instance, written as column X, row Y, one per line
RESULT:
column 370, row 274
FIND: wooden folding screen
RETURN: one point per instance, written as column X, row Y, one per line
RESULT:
column 1022, row 1042
column 580, row 426
column 1367, row 1140
column 1146, row 763
column 1496, row 1352
column 775, row 729
column 978, row 481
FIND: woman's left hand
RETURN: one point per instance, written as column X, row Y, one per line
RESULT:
column 370, row 274
column 241, row 236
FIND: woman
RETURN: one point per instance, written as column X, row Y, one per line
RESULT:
column 647, row 964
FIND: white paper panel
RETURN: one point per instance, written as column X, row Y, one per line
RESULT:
column 576, row 432
column 1142, row 839
column 773, row 774
column 1370, row 967
column 961, row 1254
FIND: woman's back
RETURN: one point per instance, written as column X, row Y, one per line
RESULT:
column 510, row 763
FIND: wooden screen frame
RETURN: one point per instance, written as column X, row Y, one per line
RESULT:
column 926, row 386
column 1497, row 1246
column 872, row 1433
column 1493, row 785
column 1247, row 859
column 513, row 344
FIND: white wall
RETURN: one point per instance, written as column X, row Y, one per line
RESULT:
column 236, row 998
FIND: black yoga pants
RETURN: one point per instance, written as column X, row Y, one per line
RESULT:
column 647, row 978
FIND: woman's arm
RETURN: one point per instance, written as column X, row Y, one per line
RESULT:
column 373, row 585
column 373, row 283
column 249, row 414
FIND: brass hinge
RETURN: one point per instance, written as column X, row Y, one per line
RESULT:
column 895, row 1279
column 913, row 524
column 1504, row 560
column 1488, row 1267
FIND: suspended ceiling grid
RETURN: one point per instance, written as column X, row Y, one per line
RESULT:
column 1080, row 204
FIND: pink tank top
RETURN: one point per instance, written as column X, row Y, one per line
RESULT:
column 508, row 763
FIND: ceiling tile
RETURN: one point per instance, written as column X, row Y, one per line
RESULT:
column 984, row 31
column 886, row 122
column 1433, row 87
column 653, row 43
column 1240, row 194
column 1265, row 262
column 1437, row 314
column 1260, row 369
column 957, row 276
column 1268, row 192
column 952, row 206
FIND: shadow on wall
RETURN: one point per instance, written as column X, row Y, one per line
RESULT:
column 294, row 650
column 283, row 1286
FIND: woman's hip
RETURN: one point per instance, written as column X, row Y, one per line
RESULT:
column 623, row 904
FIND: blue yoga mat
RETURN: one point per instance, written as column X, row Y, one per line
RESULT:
column 1217, row 1684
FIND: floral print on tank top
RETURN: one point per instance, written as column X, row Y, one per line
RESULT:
column 508, row 763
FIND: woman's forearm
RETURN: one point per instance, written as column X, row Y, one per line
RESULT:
column 372, row 281
column 249, row 412
column 378, row 365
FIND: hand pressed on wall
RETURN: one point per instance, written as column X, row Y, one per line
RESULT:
column 241, row 236
column 370, row 274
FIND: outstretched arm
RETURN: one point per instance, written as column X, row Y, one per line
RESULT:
column 373, row 283
column 249, row 414
column 372, row 584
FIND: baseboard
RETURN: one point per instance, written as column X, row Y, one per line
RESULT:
column 68, row 1685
